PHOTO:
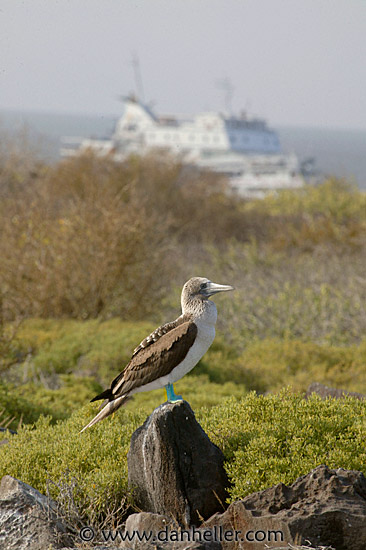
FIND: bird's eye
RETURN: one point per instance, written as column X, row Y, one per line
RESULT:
column 203, row 286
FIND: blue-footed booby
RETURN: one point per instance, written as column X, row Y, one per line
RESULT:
column 169, row 352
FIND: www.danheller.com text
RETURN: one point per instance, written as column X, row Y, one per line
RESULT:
column 216, row 534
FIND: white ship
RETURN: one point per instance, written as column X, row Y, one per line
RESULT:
column 242, row 148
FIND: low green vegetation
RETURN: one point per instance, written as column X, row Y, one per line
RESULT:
column 89, row 348
column 277, row 438
column 270, row 365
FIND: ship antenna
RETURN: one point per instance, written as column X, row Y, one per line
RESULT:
column 226, row 85
column 138, row 78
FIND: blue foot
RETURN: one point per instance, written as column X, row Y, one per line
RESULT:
column 172, row 398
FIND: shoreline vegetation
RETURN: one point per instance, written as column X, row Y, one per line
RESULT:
column 94, row 254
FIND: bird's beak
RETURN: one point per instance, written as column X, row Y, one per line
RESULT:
column 213, row 288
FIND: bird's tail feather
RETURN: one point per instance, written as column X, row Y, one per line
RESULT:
column 106, row 394
column 108, row 409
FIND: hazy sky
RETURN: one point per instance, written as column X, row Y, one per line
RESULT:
column 298, row 62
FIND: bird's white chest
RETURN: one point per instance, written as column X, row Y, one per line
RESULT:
column 205, row 336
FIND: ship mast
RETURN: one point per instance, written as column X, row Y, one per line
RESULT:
column 138, row 79
column 226, row 85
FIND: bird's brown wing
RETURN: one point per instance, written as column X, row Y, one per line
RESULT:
column 159, row 332
column 158, row 359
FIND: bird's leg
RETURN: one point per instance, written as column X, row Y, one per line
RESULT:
column 172, row 398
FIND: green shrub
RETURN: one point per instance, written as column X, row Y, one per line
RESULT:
column 26, row 403
column 73, row 392
column 18, row 409
column 269, row 365
column 90, row 348
column 277, row 438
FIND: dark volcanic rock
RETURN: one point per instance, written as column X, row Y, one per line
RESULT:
column 325, row 392
column 28, row 519
column 325, row 507
column 174, row 468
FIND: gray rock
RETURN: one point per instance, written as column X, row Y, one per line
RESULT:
column 173, row 467
column 145, row 522
column 164, row 534
column 28, row 519
column 5, row 441
column 325, row 507
column 325, row 391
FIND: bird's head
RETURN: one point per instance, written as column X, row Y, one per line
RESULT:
column 200, row 288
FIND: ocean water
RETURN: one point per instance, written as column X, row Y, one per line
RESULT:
column 337, row 152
